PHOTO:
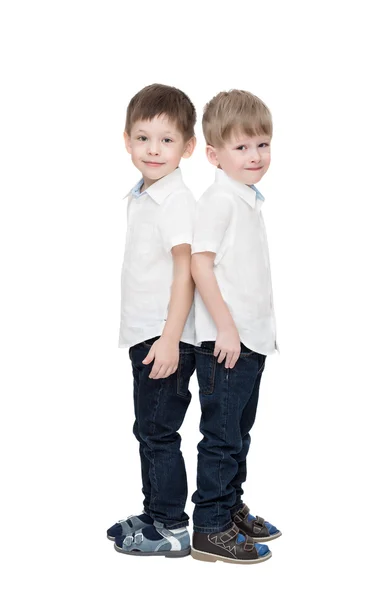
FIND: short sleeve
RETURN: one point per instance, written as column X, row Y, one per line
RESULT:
column 177, row 220
column 213, row 217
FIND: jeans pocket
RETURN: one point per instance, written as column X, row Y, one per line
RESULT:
column 206, row 371
column 185, row 369
column 262, row 365
column 149, row 343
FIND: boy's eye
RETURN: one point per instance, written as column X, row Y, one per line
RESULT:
column 242, row 147
column 263, row 145
column 167, row 140
column 142, row 138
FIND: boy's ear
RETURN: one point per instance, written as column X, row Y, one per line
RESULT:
column 127, row 142
column 211, row 155
column 189, row 148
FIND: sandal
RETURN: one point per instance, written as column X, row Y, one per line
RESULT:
column 128, row 526
column 155, row 541
column 229, row 546
column 256, row 527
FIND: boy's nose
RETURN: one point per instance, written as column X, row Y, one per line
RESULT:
column 255, row 156
column 153, row 149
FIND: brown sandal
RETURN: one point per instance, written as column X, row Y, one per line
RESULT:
column 227, row 547
column 256, row 527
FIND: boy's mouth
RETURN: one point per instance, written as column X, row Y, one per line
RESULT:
column 152, row 163
column 253, row 168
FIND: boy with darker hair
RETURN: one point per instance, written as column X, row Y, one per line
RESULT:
column 157, row 317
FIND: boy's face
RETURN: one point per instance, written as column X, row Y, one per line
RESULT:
column 243, row 158
column 156, row 147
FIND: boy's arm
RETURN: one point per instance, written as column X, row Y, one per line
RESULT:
column 165, row 351
column 227, row 343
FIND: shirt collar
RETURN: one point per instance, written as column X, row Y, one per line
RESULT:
column 135, row 191
column 159, row 190
column 248, row 193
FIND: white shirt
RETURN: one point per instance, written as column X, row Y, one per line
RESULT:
column 158, row 219
column 229, row 222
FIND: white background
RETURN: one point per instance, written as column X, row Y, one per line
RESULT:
column 69, row 460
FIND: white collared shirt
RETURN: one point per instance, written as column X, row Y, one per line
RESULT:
column 229, row 222
column 158, row 219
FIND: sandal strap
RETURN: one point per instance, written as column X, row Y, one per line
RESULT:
column 137, row 538
column 249, row 544
column 257, row 525
column 244, row 511
column 229, row 535
column 241, row 514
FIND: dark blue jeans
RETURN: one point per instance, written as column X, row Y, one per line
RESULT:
column 160, row 408
column 229, row 400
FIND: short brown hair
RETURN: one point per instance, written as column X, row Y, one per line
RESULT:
column 238, row 111
column 157, row 99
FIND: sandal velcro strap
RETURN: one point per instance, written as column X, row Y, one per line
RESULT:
column 241, row 514
column 139, row 538
column 249, row 544
column 128, row 540
column 244, row 511
column 229, row 535
column 259, row 525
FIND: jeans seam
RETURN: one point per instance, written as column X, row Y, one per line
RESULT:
column 179, row 370
column 152, row 470
column 224, row 423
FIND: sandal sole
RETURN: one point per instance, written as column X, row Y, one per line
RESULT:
column 264, row 540
column 208, row 557
column 167, row 554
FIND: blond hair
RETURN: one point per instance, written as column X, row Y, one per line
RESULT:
column 237, row 112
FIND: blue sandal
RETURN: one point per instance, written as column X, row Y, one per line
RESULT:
column 155, row 540
column 129, row 525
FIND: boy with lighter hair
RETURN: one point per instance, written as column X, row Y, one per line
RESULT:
column 235, row 325
column 157, row 317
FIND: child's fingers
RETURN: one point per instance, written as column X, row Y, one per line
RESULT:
column 155, row 368
column 149, row 357
column 222, row 356
column 170, row 370
column 234, row 359
column 157, row 371
column 229, row 357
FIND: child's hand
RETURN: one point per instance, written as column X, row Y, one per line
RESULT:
column 165, row 353
column 227, row 345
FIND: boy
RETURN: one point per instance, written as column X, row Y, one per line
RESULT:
column 157, row 320
column 234, row 323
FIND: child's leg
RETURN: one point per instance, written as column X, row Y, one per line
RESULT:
column 246, row 424
column 160, row 408
column 225, row 394
column 254, row 526
column 146, row 488
column 132, row 523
